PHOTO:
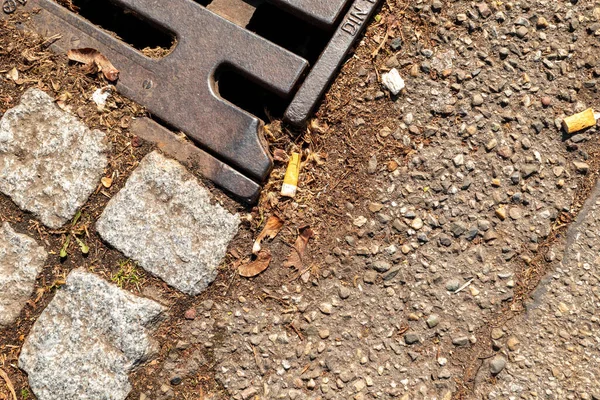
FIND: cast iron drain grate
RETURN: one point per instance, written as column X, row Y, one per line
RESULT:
column 181, row 89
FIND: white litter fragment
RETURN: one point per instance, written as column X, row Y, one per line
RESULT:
column 597, row 115
column 101, row 95
column 393, row 81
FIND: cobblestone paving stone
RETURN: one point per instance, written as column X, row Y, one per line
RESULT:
column 88, row 339
column 21, row 260
column 163, row 218
column 50, row 162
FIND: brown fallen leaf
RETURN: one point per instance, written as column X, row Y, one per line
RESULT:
column 296, row 257
column 92, row 57
column 106, row 181
column 9, row 384
column 271, row 229
column 280, row 155
column 13, row 74
column 253, row 268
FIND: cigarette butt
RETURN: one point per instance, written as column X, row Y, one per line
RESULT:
column 290, row 181
column 580, row 121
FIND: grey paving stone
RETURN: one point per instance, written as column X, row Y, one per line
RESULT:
column 163, row 218
column 91, row 335
column 21, row 260
column 50, row 161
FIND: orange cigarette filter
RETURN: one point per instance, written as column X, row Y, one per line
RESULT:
column 578, row 122
column 290, row 181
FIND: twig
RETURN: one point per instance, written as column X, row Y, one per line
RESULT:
column 9, row 384
column 464, row 286
column 299, row 274
column 297, row 331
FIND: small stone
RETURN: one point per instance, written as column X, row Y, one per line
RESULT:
column 417, row 224
column 497, row 333
column 453, row 285
column 505, row 152
column 393, row 81
column 381, row 266
column 484, row 10
column 249, row 393
column 542, row 23
column 529, row 169
column 190, row 314
column 581, row 167
column 497, row 364
column 515, row 213
column 521, row 32
column 445, row 240
column 343, row 292
column 491, row 144
column 326, row 308
column 460, row 341
column 490, row 235
column 501, row 213
column 370, row 277
column 433, row 320
column 324, row 333
column 372, row 166
column 411, row 338
column 360, row 221
column 477, row 100
column 175, row 381
column 546, row 101
column 458, row 160
column 375, row 207
column 513, row 343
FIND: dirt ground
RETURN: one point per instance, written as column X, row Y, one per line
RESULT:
column 349, row 128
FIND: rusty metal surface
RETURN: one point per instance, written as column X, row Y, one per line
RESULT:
column 330, row 61
column 180, row 89
column 323, row 12
column 197, row 160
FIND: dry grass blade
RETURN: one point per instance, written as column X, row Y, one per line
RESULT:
column 296, row 257
column 271, row 229
column 9, row 384
column 91, row 57
column 263, row 259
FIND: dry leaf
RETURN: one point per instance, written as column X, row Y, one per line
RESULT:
column 106, row 182
column 271, row 229
column 9, row 384
column 13, row 74
column 280, row 155
column 92, row 57
column 263, row 259
column 296, row 257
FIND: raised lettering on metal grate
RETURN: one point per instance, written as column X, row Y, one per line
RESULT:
column 180, row 89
